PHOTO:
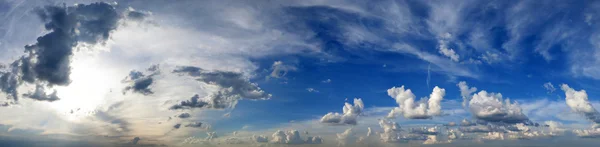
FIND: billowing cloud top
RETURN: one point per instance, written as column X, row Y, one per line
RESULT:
column 416, row 110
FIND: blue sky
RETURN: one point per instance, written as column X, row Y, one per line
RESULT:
column 126, row 69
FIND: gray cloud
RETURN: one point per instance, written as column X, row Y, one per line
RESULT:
column 139, row 82
column 47, row 62
column 184, row 115
column 135, row 140
column 40, row 94
column 49, row 59
column 177, row 126
column 232, row 87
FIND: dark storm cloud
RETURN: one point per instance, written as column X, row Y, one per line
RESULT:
column 8, row 84
column 192, row 103
column 233, row 87
column 47, row 61
column 40, row 94
column 177, row 126
column 184, row 115
column 135, row 140
column 139, row 82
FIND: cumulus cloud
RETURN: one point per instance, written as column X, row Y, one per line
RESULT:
column 465, row 92
column 314, row 140
column 260, row 138
column 578, row 101
column 391, row 131
column 279, row 69
column 349, row 115
column 40, row 94
column 491, row 107
column 420, row 110
column 290, row 137
column 589, row 133
column 233, row 86
column 138, row 82
column 345, row 137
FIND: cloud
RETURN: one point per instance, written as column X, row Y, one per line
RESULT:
column 184, row 115
column 491, row 108
column 391, row 131
column 279, row 69
column 422, row 110
column 211, row 135
column 314, row 140
column 465, row 92
column 548, row 86
column 290, row 137
column 40, row 94
column 177, row 126
column 311, row 90
column 135, row 140
column 140, row 83
column 199, row 125
column 47, row 61
column 578, row 101
column 326, row 81
column 349, row 115
column 260, row 138
column 345, row 137
column 232, row 87
column 444, row 50
column 589, row 133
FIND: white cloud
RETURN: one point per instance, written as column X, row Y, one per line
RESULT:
column 548, row 86
column 348, row 117
column 345, row 137
column 465, row 92
column 492, row 108
column 420, row 110
column 578, row 101
column 311, row 90
column 279, row 69
column 326, row 81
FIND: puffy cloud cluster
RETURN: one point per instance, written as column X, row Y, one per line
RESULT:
column 290, row 137
column 138, row 82
column 391, row 131
column 260, row 138
column 349, row 115
column 578, row 101
column 491, row 107
column 416, row 110
column 233, row 86
column 589, row 133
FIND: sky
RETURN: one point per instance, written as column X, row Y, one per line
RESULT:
column 299, row 73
